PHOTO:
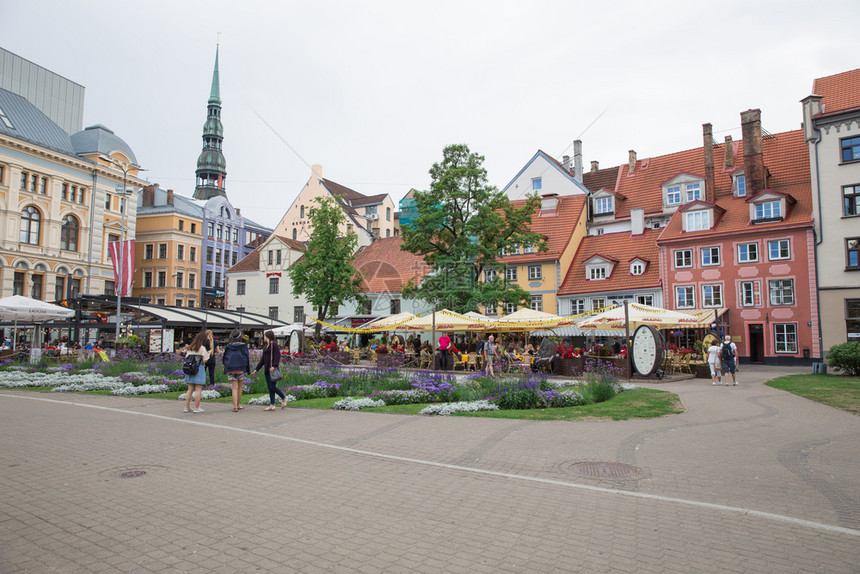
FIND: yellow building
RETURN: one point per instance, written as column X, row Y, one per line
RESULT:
column 168, row 248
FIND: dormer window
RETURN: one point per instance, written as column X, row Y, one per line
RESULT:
column 597, row 273
column 739, row 185
column 528, row 248
column 697, row 220
column 598, row 268
column 673, row 195
column 682, row 189
column 603, row 206
column 637, row 267
column 693, row 191
column 768, row 210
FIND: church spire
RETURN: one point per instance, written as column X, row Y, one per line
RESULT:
column 211, row 165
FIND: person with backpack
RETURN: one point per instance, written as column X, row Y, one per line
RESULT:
column 729, row 357
column 237, row 364
column 195, row 373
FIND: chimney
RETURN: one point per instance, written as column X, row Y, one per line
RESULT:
column 595, row 165
column 708, row 140
column 548, row 204
column 631, row 162
column 637, row 221
column 565, row 161
column 577, row 160
column 169, row 197
column 753, row 157
column 148, row 196
column 238, row 211
column 730, row 152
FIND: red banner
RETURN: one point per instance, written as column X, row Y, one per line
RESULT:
column 123, row 287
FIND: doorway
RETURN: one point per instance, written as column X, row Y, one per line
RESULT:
column 756, row 343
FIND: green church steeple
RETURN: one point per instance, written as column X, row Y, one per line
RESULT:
column 211, row 165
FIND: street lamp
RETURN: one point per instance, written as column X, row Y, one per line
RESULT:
column 125, row 167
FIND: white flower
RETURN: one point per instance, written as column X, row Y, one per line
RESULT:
column 140, row 390
column 207, row 394
column 264, row 400
column 351, row 404
column 446, row 409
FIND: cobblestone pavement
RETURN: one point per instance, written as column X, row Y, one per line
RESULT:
column 747, row 479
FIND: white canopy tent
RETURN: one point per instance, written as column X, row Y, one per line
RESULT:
column 19, row 309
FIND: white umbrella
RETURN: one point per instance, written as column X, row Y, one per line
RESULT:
column 18, row 308
column 639, row 315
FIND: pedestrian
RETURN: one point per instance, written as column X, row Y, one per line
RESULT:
column 237, row 364
column 269, row 361
column 196, row 381
column 490, row 355
column 729, row 356
column 416, row 344
column 444, row 343
column 616, row 346
column 715, row 363
column 212, row 348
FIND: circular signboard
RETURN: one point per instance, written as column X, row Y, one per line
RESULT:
column 647, row 351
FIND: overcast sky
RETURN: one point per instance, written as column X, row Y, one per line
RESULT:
column 374, row 90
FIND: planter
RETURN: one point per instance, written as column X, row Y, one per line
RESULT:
column 390, row 360
column 703, row 371
column 620, row 363
column 571, row 367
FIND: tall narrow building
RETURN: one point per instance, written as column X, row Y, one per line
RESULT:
column 211, row 165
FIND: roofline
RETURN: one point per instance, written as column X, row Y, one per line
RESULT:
column 789, row 226
column 552, row 162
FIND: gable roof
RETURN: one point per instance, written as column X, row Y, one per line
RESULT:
column 840, row 92
column 387, row 268
column 786, row 157
column 623, row 247
column 554, row 163
column 250, row 262
column 601, row 179
column 557, row 229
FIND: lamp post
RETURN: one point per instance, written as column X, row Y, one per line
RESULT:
column 125, row 167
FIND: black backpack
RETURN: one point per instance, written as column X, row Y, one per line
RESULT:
column 191, row 364
column 726, row 352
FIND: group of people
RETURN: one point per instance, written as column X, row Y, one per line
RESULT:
column 237, row 363
column 723, row 361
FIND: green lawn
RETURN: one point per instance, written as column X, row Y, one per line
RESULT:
column 834, row 390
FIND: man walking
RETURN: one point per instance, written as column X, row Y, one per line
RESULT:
column 490, row 355
column 729, row 356
column 444, row 343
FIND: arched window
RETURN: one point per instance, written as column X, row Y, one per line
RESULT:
column 69, row 233
column 294, row 232
column 31, row 221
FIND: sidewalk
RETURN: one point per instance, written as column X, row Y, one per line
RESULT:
column 747, row 479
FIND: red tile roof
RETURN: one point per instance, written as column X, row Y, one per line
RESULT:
column 556, row 228
column 601, row 179
column 786, row 157
column 841, row 92
column 387, row 268
column 623, row 248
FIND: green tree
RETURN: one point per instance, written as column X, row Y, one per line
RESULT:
column 324, row 274
column 463, row 224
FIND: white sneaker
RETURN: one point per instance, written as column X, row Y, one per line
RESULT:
column 186, row 410
column 198, row 411
column 736, row 383
column 714, row 383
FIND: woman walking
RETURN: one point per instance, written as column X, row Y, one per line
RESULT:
column 196, row 381
column 269, row 361
column 236, row 365
column 212, row 348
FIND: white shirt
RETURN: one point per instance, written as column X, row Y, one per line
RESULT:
column 714, row 354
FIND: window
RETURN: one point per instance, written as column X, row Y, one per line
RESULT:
column 36, row 289
column 162, row 250
column 64, row 191
column 749, row 293
column 387, row 214
column 33, row 179
column 178, row 302
column 273, row 312
column 779, row 249
column 537, row 303
column 694, row 191
column 193, row 230
column 781, row 291
column 278, row 257
column 274, row 284
column 208, row 278
column 69, row 233
column 271, row 257
column 162, row 278
column 489, row 275
column 673, row 195
column 180, row 252
column 192, row 254
column 298, row 314
column 181, row 225
column 235, row 235
column 645, row 300
column 637, row 268
column 180, row 279
column 301, row 212
column 740, row 185
column 851, row 200
column 850, row 149
column 81, row 193
column 160, row 301
column 217, row 279
column 210, row 254
column 147, row 250
column 535, row 272
column 852, row 319
column 768, row 210
column 295, row 233
column 697, row 220
column 710, row 256
column 5, row 120
column 234, row 257
column 528, row 248
column 511, row 273
column 192, row 303
column 602, row 205
column 393, row 306
column 852, row 253
column 712, row 295
column 110, row 288
column 491, row 311
column 747, row 252
column 683, row 258
column 74, row 287
column 598, row 303
column 147, row 279
column 510, row 308
column 596, row 273
column 31, row 221
column 218, row 256
column 107, row 202
column 685, row 297
column 514, row 249
column 59, row 287
column 387, row 233
column 577, row 306
column 18, row 283
column 210, row 229
column 219, row 232
column 192, row 279
column 785, row 337
column 537, row 184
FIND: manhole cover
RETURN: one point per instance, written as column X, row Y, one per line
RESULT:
column 605, row 469
column 132, row 473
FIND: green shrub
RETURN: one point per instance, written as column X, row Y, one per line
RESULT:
column 845, row 358
column 601, row 390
